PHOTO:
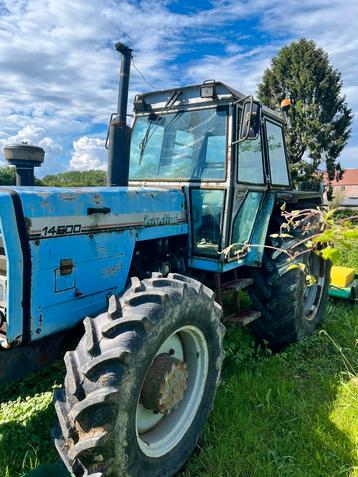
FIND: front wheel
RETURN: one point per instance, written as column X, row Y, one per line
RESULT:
column 142, row 381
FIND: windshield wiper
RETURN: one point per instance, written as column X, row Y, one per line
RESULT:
column 152, row 127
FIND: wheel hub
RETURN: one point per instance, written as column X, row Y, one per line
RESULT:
column 165, row 384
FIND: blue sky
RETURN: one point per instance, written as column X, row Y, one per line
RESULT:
column 59, row 70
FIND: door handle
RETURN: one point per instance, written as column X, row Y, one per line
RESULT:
column 98, row 210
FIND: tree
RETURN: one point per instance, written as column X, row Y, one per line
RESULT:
column 7, row 176
column 318, row 122
column 75, row 179
column 64, row 179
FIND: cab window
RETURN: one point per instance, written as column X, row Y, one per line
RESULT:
column 206, row 212
column 185, row 145
column 277, row 155
column 250, row 167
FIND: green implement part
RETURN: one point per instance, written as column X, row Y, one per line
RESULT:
column 51, row 470
column 345, row 293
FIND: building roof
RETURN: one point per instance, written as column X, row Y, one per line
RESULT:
column 350, row 177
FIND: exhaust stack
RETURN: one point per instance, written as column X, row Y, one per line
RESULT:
column 25, row 158
column 119, row 137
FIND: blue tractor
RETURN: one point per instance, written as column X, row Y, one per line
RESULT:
column 130, row 277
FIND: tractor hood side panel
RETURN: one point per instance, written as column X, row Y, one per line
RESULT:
column 81, row 245
column 13, row 245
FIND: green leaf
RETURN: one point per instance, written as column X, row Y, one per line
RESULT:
column 331, row 253
column 310, row 280
column 302, row 266
column 295, row 266
column 292, row 267
column 347, row 244
column 329, row 214
column 351, row 234
column 324, row 237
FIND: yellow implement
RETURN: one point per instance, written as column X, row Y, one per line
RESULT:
column 342, row 276
column 344, row 284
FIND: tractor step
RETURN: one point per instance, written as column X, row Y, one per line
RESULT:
column 244, row 317
column 238, row 284
column 2, row 263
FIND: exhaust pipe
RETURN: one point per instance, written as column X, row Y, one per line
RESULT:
column 119, row 137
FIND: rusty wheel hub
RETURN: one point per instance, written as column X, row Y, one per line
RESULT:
column 165, row 384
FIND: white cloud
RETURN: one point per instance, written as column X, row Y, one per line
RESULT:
column 241, row 70
column 37, row 136
column 60, row 71
column 88, row 153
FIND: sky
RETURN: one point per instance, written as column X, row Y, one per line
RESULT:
column 59, row 70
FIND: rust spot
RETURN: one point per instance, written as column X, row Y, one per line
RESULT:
column 111, row 270
column 68, row 196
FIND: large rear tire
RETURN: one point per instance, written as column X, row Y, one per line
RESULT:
column 290, row 309
column 142, row 381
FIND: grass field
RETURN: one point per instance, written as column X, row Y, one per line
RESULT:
column 290, row 414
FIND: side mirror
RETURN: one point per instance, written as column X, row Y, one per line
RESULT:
column 250, row 120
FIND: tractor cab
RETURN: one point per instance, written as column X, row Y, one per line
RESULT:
column 228, row 155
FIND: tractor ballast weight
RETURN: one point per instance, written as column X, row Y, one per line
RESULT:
column 196, row 186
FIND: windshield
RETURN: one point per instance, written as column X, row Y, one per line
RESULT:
column 179, row 146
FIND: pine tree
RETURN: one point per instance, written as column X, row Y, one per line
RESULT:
column 318, row 124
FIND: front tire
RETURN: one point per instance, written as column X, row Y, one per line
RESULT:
column 142, row 381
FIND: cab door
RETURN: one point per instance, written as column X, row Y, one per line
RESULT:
column 249, row 189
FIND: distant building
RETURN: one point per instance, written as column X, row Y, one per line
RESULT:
column 347, row 188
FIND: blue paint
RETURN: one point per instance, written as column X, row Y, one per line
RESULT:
column 98, row 246
column 13, row 253
column 211, row 265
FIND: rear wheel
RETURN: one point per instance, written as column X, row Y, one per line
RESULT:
column 290, row 309
column 141, row 383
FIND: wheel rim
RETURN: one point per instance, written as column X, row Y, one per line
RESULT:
column 157, row 434
column 313, row 294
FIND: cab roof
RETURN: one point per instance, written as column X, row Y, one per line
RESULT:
column 190, row 96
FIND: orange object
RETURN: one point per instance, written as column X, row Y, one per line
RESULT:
column 285, row 103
